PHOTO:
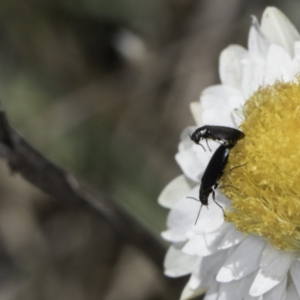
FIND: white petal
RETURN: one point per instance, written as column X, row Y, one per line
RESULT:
column 187, row 156
column 173, row 236
column 257, row 43
column 213, row 292
column 235, row 289
column 178, row 263
column 295, row 273
column 248, row 297
column 206, row 243
column 211, row 217
column 218, row 102
column 254, row 69
column 196, row 279
column 277, row 292
column 230, row 67
column 296, row 60
column 269, row 276
column 291, row 293
column 174, row 191
column 278, row 29
column 202, row 156
column 279, row 65
column 181, row 218
column 269, row 255
column 237, row 117
column 205, row 273
column 283, row 296
column 189, row 164
column 202, row 245
column 190, row 293
column 243, row 261
column 231, row 238
column 196, row 111
column 185, row 140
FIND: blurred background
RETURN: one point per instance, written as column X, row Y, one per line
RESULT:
column 102, row 88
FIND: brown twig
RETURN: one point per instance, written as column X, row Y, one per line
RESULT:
column 35, row 168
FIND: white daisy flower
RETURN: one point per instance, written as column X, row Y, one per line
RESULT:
column 254, row 252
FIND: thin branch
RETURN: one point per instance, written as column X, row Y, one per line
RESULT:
column 35, row 168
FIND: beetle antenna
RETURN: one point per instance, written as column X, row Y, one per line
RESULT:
column 199, row 208
column 193, row 198
column 198, row 214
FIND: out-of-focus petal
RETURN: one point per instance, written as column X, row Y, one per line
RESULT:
column 189, row 164
column 296, row 59
column 181, row 218
column 278, row 29
column 196, row 111
column 213, row 292
column 185, row 140
column 218, row 102
column 178, row 263
column 283, row 69
column 174, row 191
column 257, row 43
column 230, row 67
column 188, row 293
column 254, row 69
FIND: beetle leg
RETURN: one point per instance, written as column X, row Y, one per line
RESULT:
column 220, row 187
column 207, row 145
column 202, row 146
column 213, row 195
column 234, row 168
column 193, row 198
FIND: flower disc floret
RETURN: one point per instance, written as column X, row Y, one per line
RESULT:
column 265, row 189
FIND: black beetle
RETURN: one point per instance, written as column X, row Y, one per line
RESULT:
column 226, row 135
column 211, row 176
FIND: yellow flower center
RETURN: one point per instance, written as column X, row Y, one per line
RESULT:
column 265, row 192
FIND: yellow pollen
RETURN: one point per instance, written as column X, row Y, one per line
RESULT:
column 265, row 192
